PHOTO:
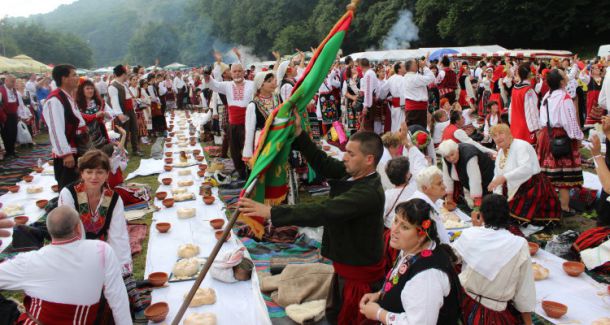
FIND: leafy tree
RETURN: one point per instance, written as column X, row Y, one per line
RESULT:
column 155, row 41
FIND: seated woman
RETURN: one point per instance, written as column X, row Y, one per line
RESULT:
column 101, row 210
column 431, row 189
column 531, row 197
column 469, row 166
column 497, row 273
column 423, row 287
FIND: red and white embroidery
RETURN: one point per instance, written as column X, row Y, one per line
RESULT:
column 238, row 92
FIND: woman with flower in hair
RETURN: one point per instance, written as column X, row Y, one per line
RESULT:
column 422, row 287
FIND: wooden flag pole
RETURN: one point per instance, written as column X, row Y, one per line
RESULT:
column 210, row 260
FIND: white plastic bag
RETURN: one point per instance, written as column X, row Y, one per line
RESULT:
column 23, row 135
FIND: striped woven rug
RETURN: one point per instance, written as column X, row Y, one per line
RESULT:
column 12, row 169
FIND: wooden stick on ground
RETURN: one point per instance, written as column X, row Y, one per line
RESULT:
column 210, row 260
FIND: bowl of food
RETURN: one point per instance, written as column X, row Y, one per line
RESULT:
column 200, row 173
column 218, row 234
column 217, row 223
column 157, row 279
column 199, row 158
column 27, row 178
column 203, row 167
column 168, row 145
column 161, row 195
column 196, row 152
column 168, row 168
column 168, row 139
column 554, row 309
column 573, row 268
column 55, row 188
column 171, row 134
column 169, row 160
column 168, row 203
column 533, row 248
column 42, row 203
column 21, row 220
column 163, row 227
column 450, row 205
column 157, row 312
column 209, row 200
column 169, row 154
column 166, row 181
column 14, row 188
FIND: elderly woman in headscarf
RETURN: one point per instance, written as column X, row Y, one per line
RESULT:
column 470, row 167
column 531, row 196
column 264, row 101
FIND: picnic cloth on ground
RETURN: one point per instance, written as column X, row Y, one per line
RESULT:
column 299, row 283
column 147, row 167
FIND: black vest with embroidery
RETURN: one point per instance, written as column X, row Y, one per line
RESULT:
column 102, row 234
column 486, row 165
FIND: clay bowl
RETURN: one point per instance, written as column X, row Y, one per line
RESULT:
column 157, row 279
column 42, row 203
column 169, row 160
column 37, row 169
column 209, row 200
column 50, row 162
column 171, row 134
column 168, row 139
column 325, row 148
column 196, row 152
column 168, row 145
column 554, row 309
column 168, row 168
column 163, row 227
column 166, row 181
column 27, row 178
column 169, row 154
column 168, row 203
column 55, row 188
column 21, row 220
column 14, row 188
column 157, row 312
column 199, row 158
column 193, row 143
column 573, row 268
column 200, row 173
column 533, row 248
column 192, row 138
column 218, row 234
column 161, row 195
column 450, row 206
column 203, row 167
column 217, row 223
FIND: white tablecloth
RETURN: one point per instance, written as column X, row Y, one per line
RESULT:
column 580, row 293
column 28, row 201
column 237, row 303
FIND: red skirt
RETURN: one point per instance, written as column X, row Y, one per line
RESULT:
column 536, row 201
column 592, row 96
column 463, row 99
column 498, row 99
column 475, row 313
column 565, row 172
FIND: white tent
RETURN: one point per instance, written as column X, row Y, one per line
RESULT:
column 175, row 66
column 405, row 54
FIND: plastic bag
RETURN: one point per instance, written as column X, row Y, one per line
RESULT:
column 23, row 135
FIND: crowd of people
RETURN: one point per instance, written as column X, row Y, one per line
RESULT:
column 507, row 134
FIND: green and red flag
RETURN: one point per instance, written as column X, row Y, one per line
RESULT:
column 270, row 161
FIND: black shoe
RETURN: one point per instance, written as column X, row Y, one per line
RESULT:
column 567, row 213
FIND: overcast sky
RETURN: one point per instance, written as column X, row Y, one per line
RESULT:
column 24, row 8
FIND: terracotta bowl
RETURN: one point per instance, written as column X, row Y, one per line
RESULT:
column 199, row 158
column 168, row 145
column 192, row 138
column 55, row 188
column 218, row 234
column 168, row 139
column 200, row 173
column 203, row 167
column 169, row 160
column 573, row 268
column 325, row 148
column 42, row 203
column 27, row 178
column 171, row 134
column 196, row 152
column 193, row 143
column 50, row 162
column 554, row 309
column 209, row 200
column 157, row 279
column 38, row 169
column 533, row 248
column 166, row 181
column 21, row 220
column 157, row 312
column 163, row 227
column 168, row 203
column 207, row 184
column 169, row 154
column 450, row 206
column 14, row 188
column 217, row 223
column 168, row 168
column 161, row 195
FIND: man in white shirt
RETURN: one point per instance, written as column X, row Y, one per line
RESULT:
column 179, row 89
column 369, row 89
column 120, row 98
column 416, row 92
column 10, row 105
column 102, row 87
column 63, row 281
column 239, row 93
column 30, row 87
column 394, row 88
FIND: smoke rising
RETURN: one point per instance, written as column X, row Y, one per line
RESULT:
column 402, row 33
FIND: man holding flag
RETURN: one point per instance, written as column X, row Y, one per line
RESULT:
column 352, row 218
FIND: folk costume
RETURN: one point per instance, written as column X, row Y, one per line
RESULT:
column 416, row 96
column 524, row 113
